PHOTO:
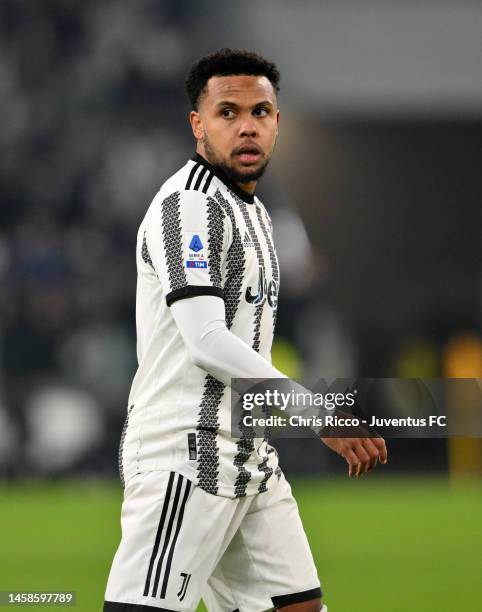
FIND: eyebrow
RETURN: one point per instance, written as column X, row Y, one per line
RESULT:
column 231, row 103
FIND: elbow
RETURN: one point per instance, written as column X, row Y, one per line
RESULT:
column 198, row 358
column 201, row 350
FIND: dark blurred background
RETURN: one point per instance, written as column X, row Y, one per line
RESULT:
column 374, row 192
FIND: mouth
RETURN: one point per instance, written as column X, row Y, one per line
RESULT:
column 248, row 154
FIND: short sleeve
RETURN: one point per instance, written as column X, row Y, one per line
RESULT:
column 187, row 236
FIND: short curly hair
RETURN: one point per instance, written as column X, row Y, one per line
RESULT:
column 228, row 62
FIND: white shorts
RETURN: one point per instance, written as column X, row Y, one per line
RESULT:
column 180, row 544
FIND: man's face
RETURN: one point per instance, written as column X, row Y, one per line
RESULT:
column 237, row 124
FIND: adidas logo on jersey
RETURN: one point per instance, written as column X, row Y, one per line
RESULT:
column 247, row 242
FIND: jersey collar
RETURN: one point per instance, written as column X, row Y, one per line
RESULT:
column 246, row 197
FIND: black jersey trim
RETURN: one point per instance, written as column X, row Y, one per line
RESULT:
column 292, row 598
column 244, row 195
column 117, row 606
column 208, row 182
column 191, row 291
column 191, row 176
column 199, row 178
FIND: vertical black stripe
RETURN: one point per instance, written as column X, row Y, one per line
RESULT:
column 235, row 271
column 159, row 532
column 172, row 516
column 259, row 254
column 174, row 540
column 208, row 182
column 215, row 226
column 191, row 176
column 200, row 178
column 121, row 446
column 263, row 466
column 145, row 252
column 269, row 242
column 208, row 420
column 207, row 429
column 172, row 238
column 235, row 265
column 246, row 443
column 272, row 257
column 258, row 314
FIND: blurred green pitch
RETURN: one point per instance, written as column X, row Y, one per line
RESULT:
column 381, row 545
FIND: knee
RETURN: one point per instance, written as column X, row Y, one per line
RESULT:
column 313, row 605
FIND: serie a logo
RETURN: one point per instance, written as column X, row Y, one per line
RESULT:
column 266, row 290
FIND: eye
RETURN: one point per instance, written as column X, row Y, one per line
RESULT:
column 260, row 111
column 227, row 113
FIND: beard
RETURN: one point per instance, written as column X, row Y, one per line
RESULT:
column 232, row 174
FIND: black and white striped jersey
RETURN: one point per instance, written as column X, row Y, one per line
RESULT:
column 202, row 235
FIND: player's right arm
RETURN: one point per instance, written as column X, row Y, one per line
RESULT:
column 215, row 349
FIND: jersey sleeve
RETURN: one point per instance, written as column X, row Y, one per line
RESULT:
column 188, row 239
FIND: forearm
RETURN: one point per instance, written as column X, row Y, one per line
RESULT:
column 213, row 347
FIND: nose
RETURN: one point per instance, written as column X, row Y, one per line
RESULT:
column 248, row 128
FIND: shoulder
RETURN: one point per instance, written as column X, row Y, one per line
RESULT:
column 192, row 177
column 193, row 183
column 180, row 189
column 184, row 210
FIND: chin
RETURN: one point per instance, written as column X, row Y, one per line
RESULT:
column 250, row 173
column 243, row 174
column 247, row 173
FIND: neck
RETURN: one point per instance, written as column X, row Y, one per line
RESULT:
column 248, row 187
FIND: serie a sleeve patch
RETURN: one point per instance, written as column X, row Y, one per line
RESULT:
column 195, row 250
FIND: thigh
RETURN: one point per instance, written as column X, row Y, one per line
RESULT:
column 268, row 563
column 173, row 535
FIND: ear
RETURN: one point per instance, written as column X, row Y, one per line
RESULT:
column 196, row 125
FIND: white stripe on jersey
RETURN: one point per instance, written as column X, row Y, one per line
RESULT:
column 202, row 235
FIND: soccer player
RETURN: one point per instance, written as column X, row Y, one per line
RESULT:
column 204, row 515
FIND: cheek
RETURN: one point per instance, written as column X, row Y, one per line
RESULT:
column 270, row 131
column 222, row 134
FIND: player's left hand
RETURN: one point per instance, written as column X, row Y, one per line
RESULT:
column 361, row 454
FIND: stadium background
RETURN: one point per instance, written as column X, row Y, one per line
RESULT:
column 374, row 194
